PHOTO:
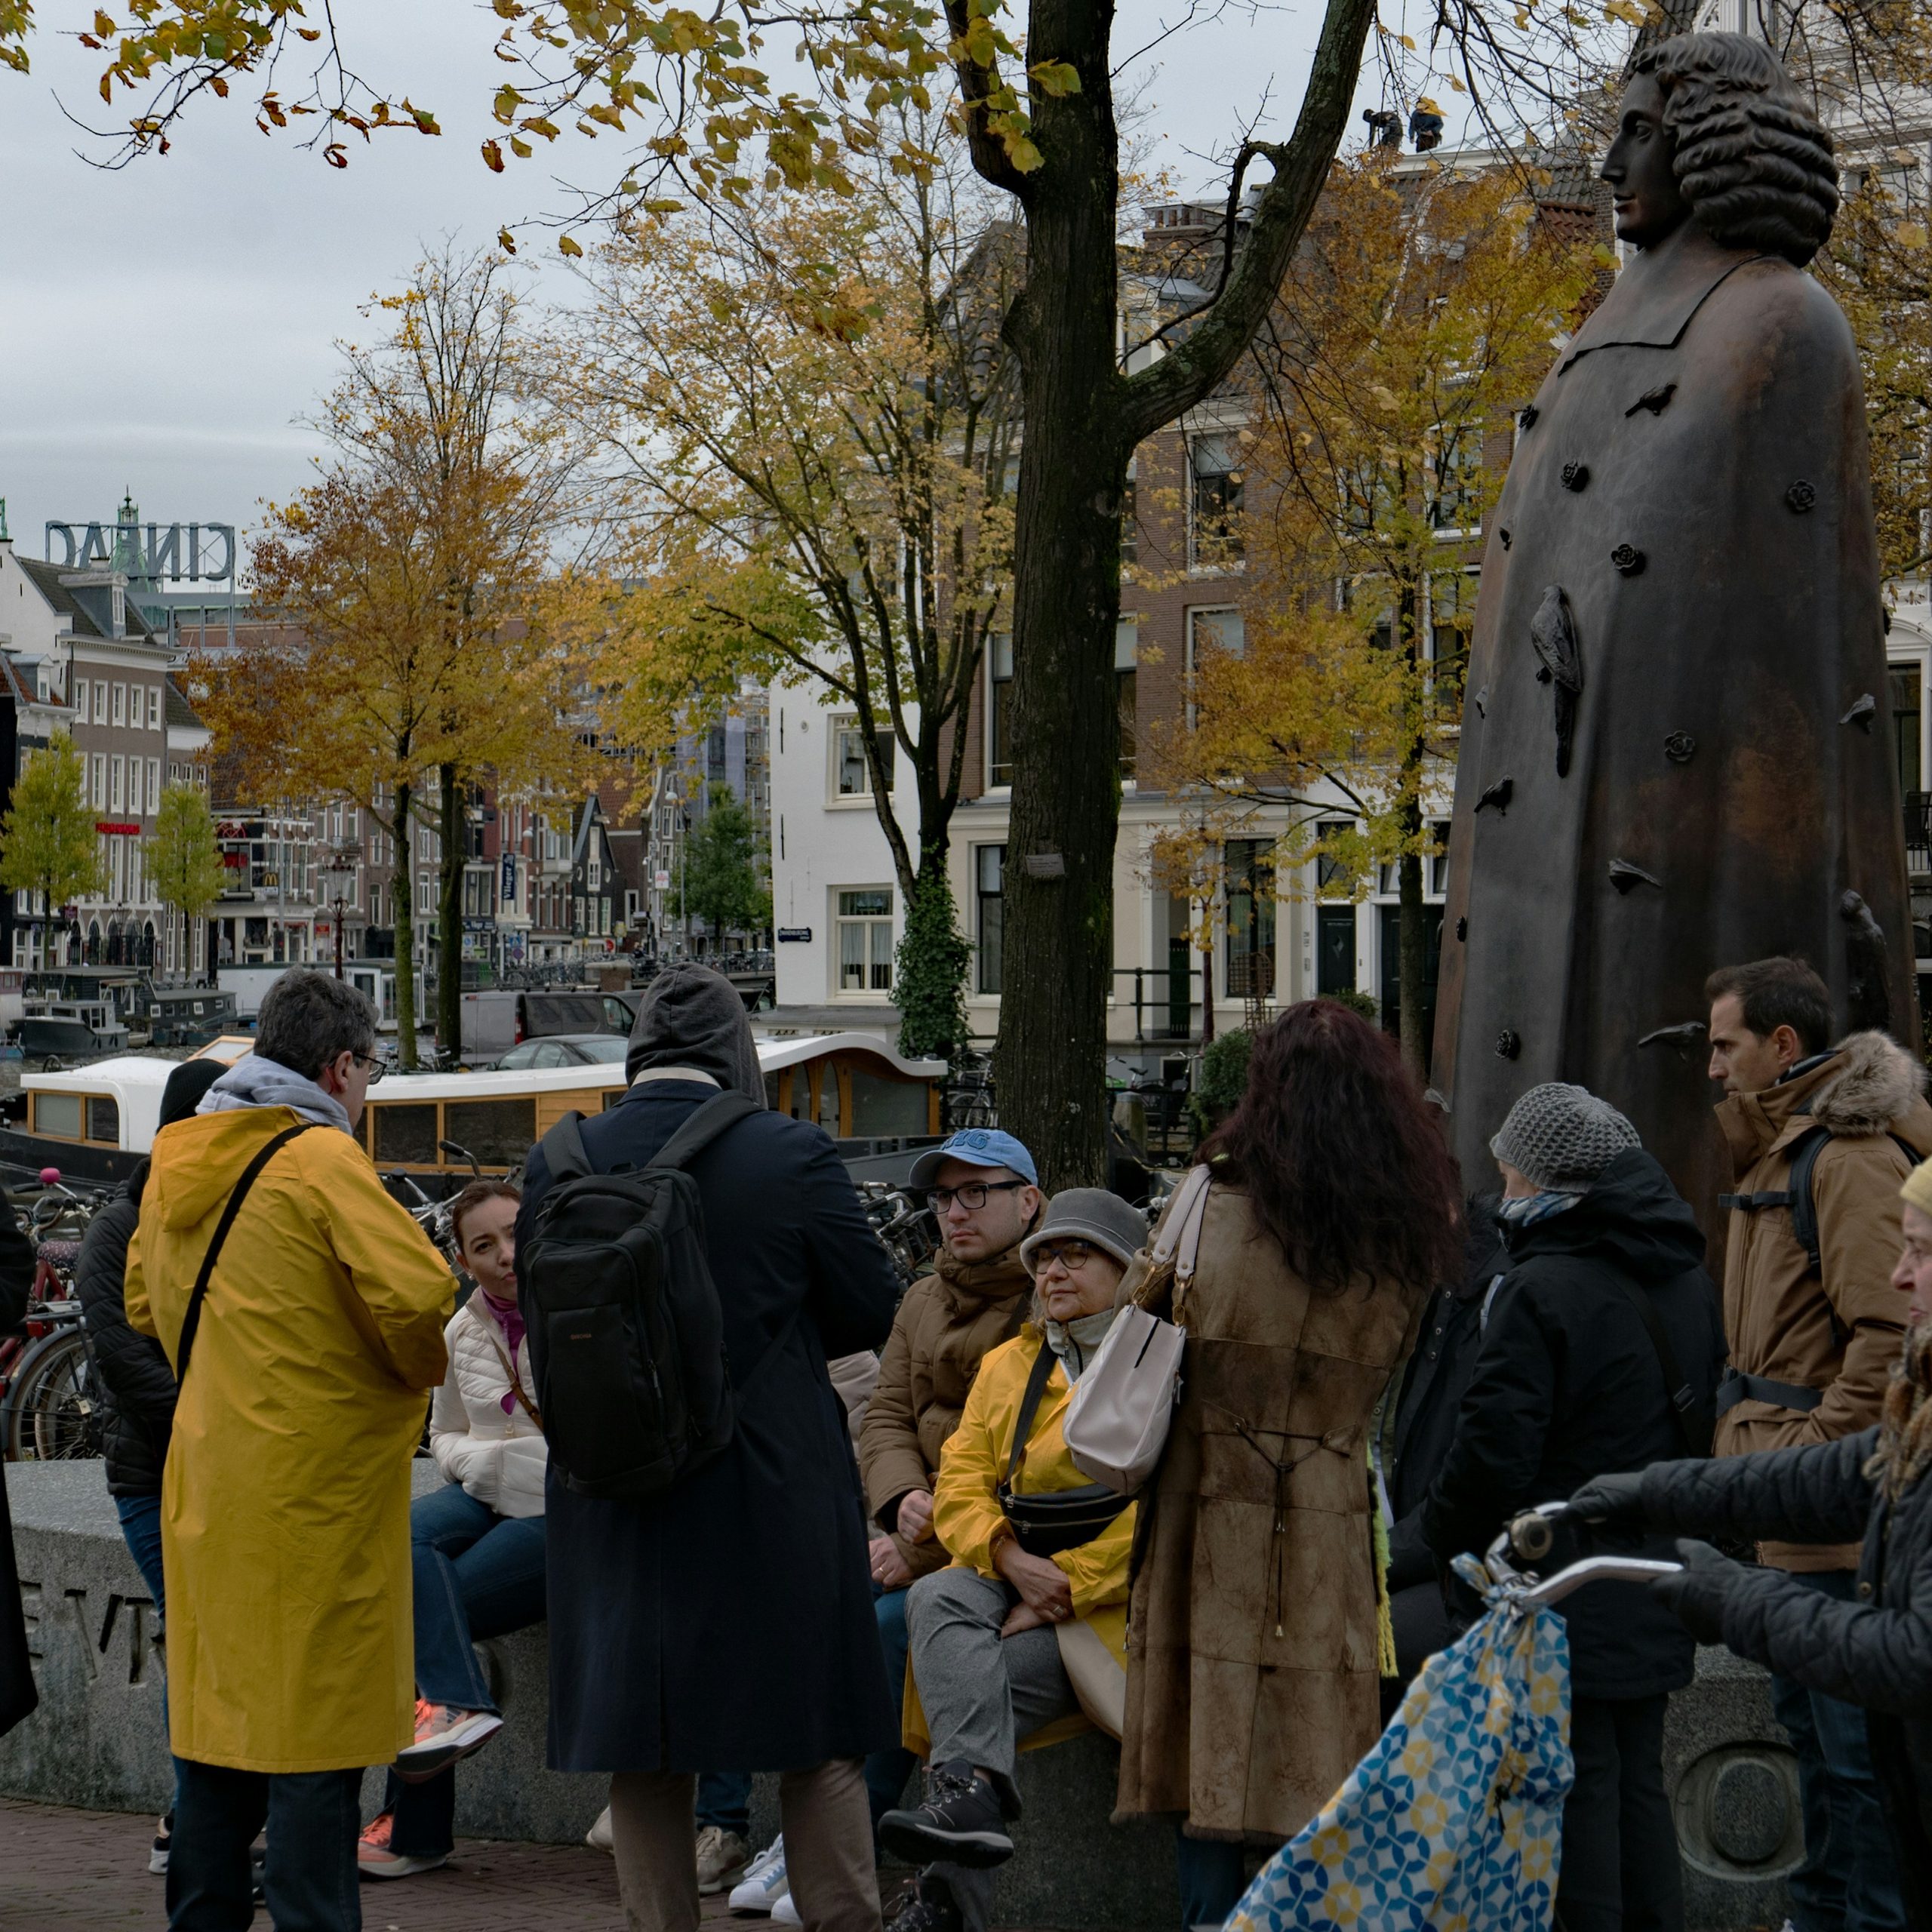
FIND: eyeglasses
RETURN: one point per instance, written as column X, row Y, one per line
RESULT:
column 375, row 1068
column 1072, row 1255
column 973, row 1196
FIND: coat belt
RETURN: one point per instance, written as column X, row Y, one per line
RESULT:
column 1735, row 1388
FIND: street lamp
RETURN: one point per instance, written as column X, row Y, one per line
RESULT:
column 340, row 867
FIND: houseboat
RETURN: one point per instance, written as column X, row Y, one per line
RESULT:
column 95, row 1123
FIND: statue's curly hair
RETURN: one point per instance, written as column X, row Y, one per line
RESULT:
column 1753, row 161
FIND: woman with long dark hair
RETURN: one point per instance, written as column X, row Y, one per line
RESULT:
column 1325, row 1210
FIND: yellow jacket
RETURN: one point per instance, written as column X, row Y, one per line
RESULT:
column 968, row 1521
column 285, row 1501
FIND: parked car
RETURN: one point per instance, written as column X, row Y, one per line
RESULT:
column 565, row 1050
column 494, row 1022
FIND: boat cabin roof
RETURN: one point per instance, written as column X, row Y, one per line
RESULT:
column 134, row 1084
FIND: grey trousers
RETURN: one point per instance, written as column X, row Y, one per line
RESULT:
column 828, row 1830
column 983, row 1694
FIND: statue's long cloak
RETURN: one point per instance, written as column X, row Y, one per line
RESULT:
column 1716, row 663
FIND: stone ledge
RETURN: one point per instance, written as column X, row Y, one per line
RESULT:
column 97, row 1741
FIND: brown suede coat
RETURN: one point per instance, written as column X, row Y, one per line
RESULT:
column 948, row 1322
column 1837, row 1327
column 1252, row 1686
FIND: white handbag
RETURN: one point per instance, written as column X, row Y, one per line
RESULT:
column 1116, row 1422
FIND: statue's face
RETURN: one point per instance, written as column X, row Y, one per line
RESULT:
column 1643, row 184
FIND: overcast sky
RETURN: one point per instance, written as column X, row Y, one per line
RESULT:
column 164, row 327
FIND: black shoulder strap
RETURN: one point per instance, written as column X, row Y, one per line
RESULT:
column 1804, row 1207
column 564, row 1151
column 192, row 1322
column 704, row 1126
column 1694, row 1424
column 1029, row 1400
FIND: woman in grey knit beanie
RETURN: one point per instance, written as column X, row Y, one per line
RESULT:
column 1559, row 1138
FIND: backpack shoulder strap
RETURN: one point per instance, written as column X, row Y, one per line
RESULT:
column 565, row 1153
column 1696, row 1427
column 192, row 1322
column 702, row 1126
column 1805, row 1153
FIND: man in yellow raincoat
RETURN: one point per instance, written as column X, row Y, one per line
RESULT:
column 285, row 1499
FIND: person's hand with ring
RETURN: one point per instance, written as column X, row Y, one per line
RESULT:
column 890, row 1570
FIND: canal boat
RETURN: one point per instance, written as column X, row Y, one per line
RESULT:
column 95, row 1123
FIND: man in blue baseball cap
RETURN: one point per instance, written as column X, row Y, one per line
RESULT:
column 984, row 1192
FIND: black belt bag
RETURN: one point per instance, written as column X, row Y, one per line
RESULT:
column 1045, row 1522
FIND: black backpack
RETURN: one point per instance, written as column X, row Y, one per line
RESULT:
column 626, row 1334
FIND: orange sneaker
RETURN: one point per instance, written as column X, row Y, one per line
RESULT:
column 444, row 1734
column 376, row 1858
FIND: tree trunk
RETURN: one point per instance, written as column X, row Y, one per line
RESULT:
column 1057, row 960
column 449, row 924
column 401, row 891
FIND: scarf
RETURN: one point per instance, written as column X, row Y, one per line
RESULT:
column 1076, row 1343
column 1000, row 1278
column 1526, row 1210
column 1905, row 1424
column 509, row 1318
column 252, row 1081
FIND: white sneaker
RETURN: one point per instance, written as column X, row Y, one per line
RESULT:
column 784, row 1913
column 598, row 1837
column 764, row 1884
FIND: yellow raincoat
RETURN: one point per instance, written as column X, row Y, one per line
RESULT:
column 969, row 1522
column 285, row 1501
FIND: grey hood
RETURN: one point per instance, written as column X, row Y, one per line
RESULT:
column 692, row 1016
column 252, row 1081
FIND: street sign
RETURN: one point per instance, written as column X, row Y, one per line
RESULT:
column 795, row 935
column 662, row 880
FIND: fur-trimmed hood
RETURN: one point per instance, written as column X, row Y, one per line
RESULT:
column 1872, row 1082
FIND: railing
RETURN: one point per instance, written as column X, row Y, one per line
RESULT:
column 1155, row 994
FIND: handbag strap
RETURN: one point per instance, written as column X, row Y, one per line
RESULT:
column 1029, row 1400
column 507, row 1358
column 192, row 1322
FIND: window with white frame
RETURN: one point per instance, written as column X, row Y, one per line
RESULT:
column 851, row 778
column 154, row 707
column 1211, row 627
column 863, row 937
column 999, row 707
column 100, row 794
column 100, row 701
column 1214, row 535
column 989, row 882
column 137, row 788
column 154, row 784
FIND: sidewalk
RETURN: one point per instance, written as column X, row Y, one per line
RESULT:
column 73, row 1871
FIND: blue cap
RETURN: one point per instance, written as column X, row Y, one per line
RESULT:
column 977, row 1147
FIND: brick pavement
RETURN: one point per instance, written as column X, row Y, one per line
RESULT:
column 64, row 1870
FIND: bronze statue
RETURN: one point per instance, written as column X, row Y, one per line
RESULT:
column 1679, row 645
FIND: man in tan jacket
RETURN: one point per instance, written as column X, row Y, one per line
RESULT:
column 1820, row 1140
column 986, row 1194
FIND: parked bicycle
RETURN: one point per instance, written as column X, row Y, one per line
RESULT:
column 51, row 1408
column 905, row 1224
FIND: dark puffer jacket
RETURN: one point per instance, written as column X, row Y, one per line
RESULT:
column 1568, row 1384
column 1876, row 1652
column 138, row 1384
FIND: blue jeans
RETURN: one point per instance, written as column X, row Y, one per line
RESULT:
column 141, row 1531
column 310, row 1882
column 887, row 1771
column 1212, row 1877
column 1849, row 1881
column 476, row 1574
column 724, row 1799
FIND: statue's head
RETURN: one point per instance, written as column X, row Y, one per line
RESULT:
column 1712, row 127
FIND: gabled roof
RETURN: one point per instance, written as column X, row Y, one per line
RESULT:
column 22, row 692
column 46, row 577
column 179, row 713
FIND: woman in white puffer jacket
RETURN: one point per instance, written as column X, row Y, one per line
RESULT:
column 478, row 1555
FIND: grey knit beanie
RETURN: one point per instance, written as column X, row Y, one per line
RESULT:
column 1090, row 1214
column 1561, row 1137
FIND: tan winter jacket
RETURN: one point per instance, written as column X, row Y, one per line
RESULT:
column 948, row 1322
column 1836, row 1328
column 498, row 1458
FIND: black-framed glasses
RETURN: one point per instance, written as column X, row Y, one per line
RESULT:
column 1072, row 1255
column 973, row 1196
column 375, row 1068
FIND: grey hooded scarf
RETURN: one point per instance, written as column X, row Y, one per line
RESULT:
column 692, row 1016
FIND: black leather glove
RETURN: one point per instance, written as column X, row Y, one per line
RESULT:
column 1698, row 1592
column 1611, row 1498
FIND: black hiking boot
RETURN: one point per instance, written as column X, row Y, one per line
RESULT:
column 929, row 1908
column 961, row 1820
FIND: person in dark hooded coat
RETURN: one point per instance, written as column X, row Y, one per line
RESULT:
column 727, row 1624
column 1570, row 1383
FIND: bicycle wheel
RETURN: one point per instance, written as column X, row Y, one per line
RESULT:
column 53, row 1412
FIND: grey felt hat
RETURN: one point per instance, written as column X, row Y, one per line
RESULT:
column 1561, row 1137
column 1089, row 1214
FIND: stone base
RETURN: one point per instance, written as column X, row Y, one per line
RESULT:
column 98, row 1740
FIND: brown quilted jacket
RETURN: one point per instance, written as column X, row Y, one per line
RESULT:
column 946, row 1325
